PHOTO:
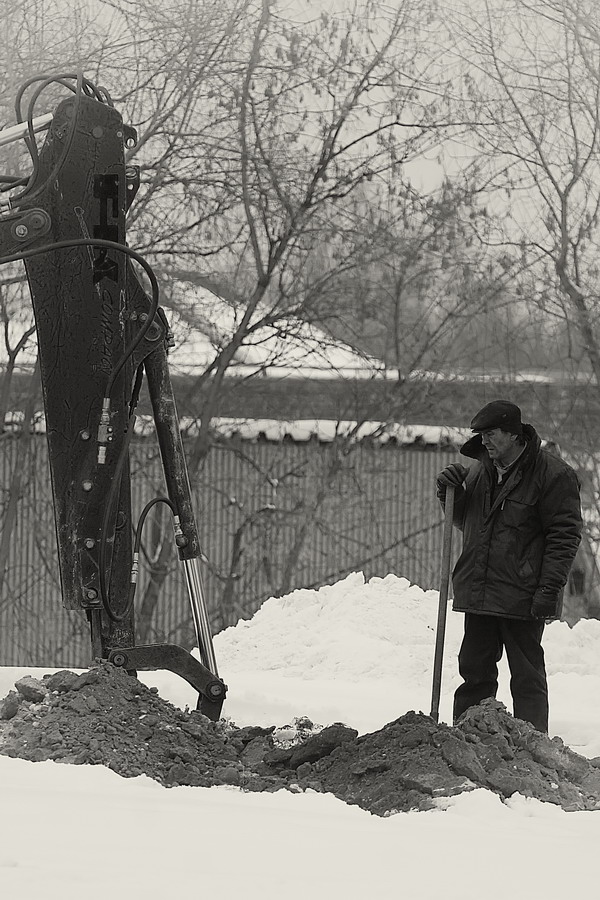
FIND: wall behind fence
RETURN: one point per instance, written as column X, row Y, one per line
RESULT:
column 272, row 517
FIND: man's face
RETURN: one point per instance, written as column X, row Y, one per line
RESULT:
column 499, row 444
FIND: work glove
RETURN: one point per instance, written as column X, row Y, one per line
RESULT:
column 544, row 604
column 452, row 476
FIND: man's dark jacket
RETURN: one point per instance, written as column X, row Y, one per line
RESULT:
column 523, row 542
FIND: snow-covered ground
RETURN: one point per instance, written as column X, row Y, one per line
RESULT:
column 355, row 652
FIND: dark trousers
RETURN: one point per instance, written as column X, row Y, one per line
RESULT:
column 484, row 639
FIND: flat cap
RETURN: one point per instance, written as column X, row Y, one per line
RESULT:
column 498, row 414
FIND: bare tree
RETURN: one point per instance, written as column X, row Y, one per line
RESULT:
column 532, row 82
column 255, row 133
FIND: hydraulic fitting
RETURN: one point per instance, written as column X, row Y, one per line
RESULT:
column 105, row 431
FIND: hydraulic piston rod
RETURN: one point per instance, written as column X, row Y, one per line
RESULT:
column 23, row 129
column 175, row 470
column 193, row 578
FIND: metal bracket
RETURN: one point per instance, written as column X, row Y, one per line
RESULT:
column 23, row 227
column 175, row 659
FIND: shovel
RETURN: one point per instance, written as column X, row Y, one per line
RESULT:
column 443, row 603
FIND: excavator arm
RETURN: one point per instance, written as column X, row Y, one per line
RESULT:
column 99, row 333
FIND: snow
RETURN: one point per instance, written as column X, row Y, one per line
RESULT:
column 357, row 652
column 325, row 430
column 203, row 323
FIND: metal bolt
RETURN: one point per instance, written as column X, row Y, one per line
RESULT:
column 21, row 230
column 89, row 543
column 87, row 485
column 84, row 435
column 91, row 594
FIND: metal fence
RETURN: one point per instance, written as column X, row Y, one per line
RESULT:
column 272, row 517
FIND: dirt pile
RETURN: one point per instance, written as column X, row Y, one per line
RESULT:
column 104, row 716
column 412, row 761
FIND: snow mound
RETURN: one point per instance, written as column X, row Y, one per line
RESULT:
column 573, row 650
column 351, row 628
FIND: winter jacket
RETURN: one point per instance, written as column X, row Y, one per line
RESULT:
column 524, row 542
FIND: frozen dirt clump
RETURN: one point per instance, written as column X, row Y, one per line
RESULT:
column 105, row 716
column 413, row 761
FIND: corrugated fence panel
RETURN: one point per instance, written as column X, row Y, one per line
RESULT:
column 272, row 516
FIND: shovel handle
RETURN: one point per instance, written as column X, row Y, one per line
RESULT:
column 443, row 603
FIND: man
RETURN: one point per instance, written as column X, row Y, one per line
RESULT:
column 519, row 509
